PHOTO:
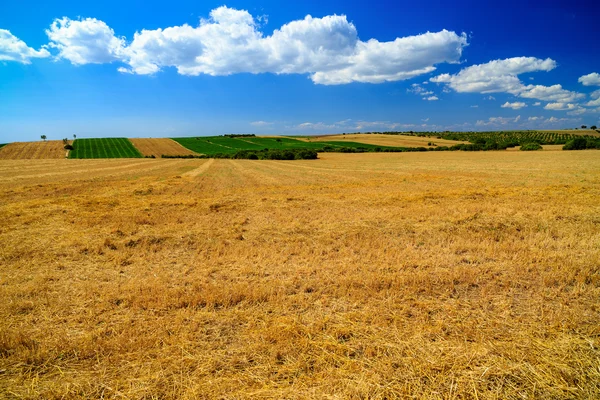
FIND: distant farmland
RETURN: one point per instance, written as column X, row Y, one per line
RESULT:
column 158, row 147
column 104, row 148
column 51, row 149
column 212, row 145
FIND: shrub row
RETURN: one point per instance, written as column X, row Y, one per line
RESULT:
column 266, row 154
column 582, row 143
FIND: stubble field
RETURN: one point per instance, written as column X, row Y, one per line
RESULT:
column 51, row 149
column 372, row 276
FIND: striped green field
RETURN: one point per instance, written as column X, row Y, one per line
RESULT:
column 104, row 148
column 211, row 145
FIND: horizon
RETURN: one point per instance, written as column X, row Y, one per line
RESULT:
column 123, row 70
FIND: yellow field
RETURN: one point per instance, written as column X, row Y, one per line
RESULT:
column 384, row 140
column 441, row 275
column 51, row 149
column 158, row 147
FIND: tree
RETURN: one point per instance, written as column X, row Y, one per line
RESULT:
column 593, row 127
column 74, row 136
column 43, row 137
column 583, row 127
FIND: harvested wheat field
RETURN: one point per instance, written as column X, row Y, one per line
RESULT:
column 158, row 147
column 385, row 140
column 51, row 149
column 368, row 276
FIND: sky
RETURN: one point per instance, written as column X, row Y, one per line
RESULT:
column 197, row 68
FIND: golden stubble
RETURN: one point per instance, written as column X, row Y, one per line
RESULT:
column 51, row 149
column 436, row 275
column 158, row 147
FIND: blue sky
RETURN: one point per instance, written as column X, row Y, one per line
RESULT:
column 182, row 68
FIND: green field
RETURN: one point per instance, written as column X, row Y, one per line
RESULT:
column 2, row 145
column 211, row 145
column 104, row 148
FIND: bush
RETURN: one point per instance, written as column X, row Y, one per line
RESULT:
column 531, row 147
column 68, row 147
column 576, row 144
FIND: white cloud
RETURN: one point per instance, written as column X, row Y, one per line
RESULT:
column 595, row 102
column 537, row 103
column 14, row 49
column 489, row 98
column 261, row 124
column 431, row 98
column 553, row 93
column 475, row 106
column 515, row 106
column 496, row 121
column 495, row 76
column 502, row 76
column 230, row 42
column 85, row 41
column 535, row 118
column 560, row 106
column 592, row 79
column 417, row 89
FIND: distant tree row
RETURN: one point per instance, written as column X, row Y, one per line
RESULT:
column 44, row 137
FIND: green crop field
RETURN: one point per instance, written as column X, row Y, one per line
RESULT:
column 211, row 145
column 104, row 148
column 2, row 145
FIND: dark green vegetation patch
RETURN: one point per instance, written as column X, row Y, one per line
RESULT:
column 582, row 143
column 2, row 145
column 531, row 147
column 104, row 148
column 224, row 145
column 265, row 154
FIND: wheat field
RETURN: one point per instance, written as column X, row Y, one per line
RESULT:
column 158, row 147
column 51, row 149
column 384, row 140
column 447, row 275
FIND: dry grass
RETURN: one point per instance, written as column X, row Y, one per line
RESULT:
column 51, row 149
column 367, row 276
column 158, row 147
column 385, row 140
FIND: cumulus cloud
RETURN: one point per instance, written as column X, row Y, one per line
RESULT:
column 85, row 41
column 592, row 79
column 230, row 42
column 502, row 76
column 14, row 49
column 515, row 106
column 537, row 103
column 554, row 93
column 431, row 98
column 560, row 106
column 495, row 76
